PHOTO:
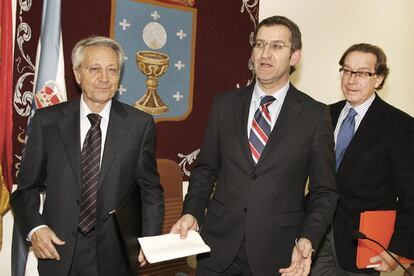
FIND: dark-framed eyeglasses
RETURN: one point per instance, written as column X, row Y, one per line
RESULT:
column 361, row 75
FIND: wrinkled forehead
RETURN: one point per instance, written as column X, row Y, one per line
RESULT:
column 99, row 54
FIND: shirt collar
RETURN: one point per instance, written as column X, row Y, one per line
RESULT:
column 279, row 95
column 362, row 108
column 84, row 109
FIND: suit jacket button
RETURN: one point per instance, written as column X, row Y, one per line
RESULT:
column 78, row 201
column 254, row 176
column 245, row 210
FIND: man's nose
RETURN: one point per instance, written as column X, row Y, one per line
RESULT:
column 266, row 51
column 104, row 76
column 352, row 78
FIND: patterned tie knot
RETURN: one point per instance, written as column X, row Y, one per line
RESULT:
column 94, row 118
column 351, row 114
column 267, row 100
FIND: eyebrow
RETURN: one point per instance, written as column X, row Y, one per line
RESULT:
column 358, row 69
column 272, row 40
column 108, row 65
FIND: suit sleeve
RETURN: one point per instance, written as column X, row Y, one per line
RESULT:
column 205, row 173
column 402, row 160
column 150, row 188
column 323, row 195
column 25, row 201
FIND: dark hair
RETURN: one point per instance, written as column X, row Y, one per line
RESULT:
column 381, row 68
column 296, row 35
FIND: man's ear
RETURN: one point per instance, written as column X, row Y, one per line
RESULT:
column 378, row 80
column 77, row 75
column 295, row 57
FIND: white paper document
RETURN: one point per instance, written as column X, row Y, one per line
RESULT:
column 170, row 246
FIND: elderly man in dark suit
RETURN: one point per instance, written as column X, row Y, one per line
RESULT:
column 263, row 142
column 374, row 160
column 88, row 154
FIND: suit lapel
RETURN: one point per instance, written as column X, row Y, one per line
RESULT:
column 291, row 109
column 241, row 110
column 117, row 130
column 335, row 110
column 367, row 132
column 69, row 128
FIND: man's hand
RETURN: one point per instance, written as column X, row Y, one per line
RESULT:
column 410, row 269
column 387, row 264
column 185, row 223
column 301, row 259
column 43, row 241
column 141, row 259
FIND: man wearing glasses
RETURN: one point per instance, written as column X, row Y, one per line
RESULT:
column 89, row 155
column 374, row 162
column 263, row 142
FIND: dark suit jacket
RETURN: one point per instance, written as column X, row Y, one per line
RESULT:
column 377, row 168
column 264, row 203
column 52, row 160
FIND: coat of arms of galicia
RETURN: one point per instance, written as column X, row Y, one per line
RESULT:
column 159, row 43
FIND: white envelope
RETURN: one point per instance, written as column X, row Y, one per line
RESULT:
column 170, row 246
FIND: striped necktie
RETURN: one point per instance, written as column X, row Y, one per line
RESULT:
column 345, row 134
column 261, row 128
column 90, row 167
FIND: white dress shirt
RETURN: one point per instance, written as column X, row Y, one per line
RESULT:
column 361, row 110
column 85, row 124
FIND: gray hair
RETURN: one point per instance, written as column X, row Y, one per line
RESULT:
column 77, row 52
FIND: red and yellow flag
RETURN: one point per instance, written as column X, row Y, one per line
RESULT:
column 6, row 111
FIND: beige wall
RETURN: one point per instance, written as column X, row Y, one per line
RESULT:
column 330, row 27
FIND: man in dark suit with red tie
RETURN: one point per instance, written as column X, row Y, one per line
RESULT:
column 263, row 142
column 374, row 160
column 89, row 155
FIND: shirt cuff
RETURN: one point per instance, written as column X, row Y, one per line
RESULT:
column 29, row 236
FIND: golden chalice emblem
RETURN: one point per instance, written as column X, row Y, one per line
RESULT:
column 153, row 65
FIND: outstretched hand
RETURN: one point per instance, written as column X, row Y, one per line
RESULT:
column 301, row 259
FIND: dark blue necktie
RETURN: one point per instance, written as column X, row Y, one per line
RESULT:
column 345, row 134
column 261, row 128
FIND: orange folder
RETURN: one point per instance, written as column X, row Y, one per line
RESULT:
column 379, row 226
